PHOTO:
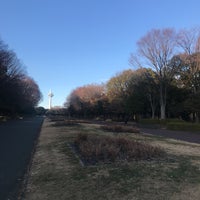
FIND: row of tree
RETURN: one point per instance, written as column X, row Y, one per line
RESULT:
column 166, row 84
column 19, row 93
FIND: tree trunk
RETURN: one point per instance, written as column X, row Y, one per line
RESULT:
column 162, row 101
column 196, row 117
column 162, row 111
column 153, row 114
column 153, row 106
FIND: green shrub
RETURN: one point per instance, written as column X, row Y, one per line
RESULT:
column 174, row 120
column 184, row 126
column 159, row 121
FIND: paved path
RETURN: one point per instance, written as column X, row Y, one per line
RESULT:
column 17, row 139
column 179, row 135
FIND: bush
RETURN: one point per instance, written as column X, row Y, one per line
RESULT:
column 119, row 129
column 3, row 118
column 64, row 123
column 55, row 118
column 184, row 126
column 94, row 149
column 149, row 121
column 159, row 121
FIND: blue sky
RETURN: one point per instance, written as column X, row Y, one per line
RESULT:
column 69, row 43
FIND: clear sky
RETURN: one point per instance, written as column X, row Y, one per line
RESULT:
column 69, row 43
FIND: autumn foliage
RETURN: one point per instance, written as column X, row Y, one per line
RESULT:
column 87, row 100
column 166, row 84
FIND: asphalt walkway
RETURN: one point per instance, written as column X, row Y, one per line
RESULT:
column 17, row 139
column 193, row 137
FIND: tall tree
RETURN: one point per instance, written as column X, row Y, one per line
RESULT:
column 86, row 100
column 189, row 41
column 11, row 72
column 16, row 88
column 30, row 93
column 117, row 91
column 147, row 85
column 157, row 47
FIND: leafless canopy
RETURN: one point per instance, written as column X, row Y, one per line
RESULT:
column 157, row 48
column 189, row 40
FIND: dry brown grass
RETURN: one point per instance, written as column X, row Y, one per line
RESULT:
column 64, row 123
column 94, row 149
column 57, row 174
column 120, row 129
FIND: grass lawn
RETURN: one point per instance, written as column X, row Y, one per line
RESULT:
column 170, row 124
column 57, row 172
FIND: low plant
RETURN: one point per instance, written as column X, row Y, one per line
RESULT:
column 94, row 149
column 120, row 128
column 64, row 123
column 149, row 121
column 183, row 126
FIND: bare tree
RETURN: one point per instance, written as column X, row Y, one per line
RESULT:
column 157, row 48
column 17, row 90
column 189, row 41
